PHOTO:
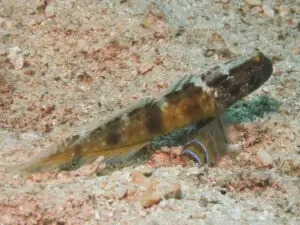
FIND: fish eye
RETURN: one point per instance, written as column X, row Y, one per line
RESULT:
column 257, row 58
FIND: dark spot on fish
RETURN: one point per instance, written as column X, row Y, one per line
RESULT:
column 77, row 149
column 254, row 81
column 153, row 118
column 203, row 123
column 71, row 140
column 175, row 97
column 113, row 138
column 213, row 77
column 192, row 91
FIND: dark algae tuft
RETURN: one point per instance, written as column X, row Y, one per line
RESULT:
column 247, row 111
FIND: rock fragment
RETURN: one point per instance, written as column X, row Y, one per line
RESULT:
column 157, row 192
column 16, row 58
column 265, row 158
column 253, row 2
column 41, row 5
column 268, row 9
column 291, row 167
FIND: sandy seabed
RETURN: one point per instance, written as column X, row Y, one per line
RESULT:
column 67, row 64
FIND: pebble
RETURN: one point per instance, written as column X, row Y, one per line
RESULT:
column 253, row 2
column 120, row 191
column 164, row 190
column 2, row 51
column 138, row 178
column 83, row 45
column 29, row 136
column 145, row 169
column 292, row 190
column 283, row 11
column 265, row 157
column 41, row 5
column 5, row 24
column 121, row 176
column 291, row 167
column 7, row 142
column 50, row 11
column 209, row 198
column 149, row 200
column 16, row 58
column 90, row 169
column 268, row 10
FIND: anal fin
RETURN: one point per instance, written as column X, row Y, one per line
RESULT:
column 115, row 155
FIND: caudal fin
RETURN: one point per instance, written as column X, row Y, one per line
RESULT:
column 70, row 155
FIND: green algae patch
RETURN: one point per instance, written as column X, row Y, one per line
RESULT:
column 247, row 111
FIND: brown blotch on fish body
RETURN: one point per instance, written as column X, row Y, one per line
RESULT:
column 187, row 107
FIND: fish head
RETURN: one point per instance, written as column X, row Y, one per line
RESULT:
column 238, row 78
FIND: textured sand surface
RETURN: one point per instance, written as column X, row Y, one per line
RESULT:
column 67, row 64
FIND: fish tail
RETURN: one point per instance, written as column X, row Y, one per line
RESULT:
column 74, row 152
column 51, row 160
column 53, row 157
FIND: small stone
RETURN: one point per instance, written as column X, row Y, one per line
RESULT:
column 169, row 189
column 253, row 2
column 209, row 197
column 120, row 191
column 146, row 170
column 16, row 58
column 83, row 45
column 145, row 69
column 90, row 169
column 5, row 24
column 265, row 158
column 50, row 11
column 268, row 11
column 150, row 200
column 283, row 10
column 121, row 176
column 291, row 167
column 292, row 190
column 2, row 51
column 29, row 136
column 139, row 179
column 41, row 5
column 162, row 190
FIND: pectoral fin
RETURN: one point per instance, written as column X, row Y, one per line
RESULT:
column 201, row 150
column 208, row 144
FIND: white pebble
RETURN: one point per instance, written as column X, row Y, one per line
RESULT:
column 265, row 157
column 253, row 2
column 283, row 11
column 268, row 8
column 16, row 58
column 268, row 11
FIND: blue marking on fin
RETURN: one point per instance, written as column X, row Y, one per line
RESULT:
column 189, row 152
